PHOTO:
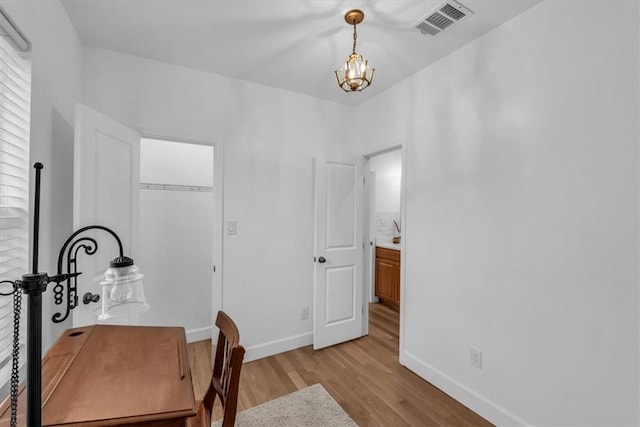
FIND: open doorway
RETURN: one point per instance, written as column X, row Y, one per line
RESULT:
column 176, row 233
column 384, row 173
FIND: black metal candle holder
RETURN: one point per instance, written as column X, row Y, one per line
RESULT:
column 33, row 285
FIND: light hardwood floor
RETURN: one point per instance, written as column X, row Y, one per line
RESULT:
column 362, row 375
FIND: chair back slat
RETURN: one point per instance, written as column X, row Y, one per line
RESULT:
column 226, row 370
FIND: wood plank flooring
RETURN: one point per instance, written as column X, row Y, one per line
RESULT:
column 362, row 375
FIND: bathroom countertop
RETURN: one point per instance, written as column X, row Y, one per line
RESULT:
column 393, row 246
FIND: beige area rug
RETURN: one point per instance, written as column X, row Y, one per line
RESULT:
column 310, row 407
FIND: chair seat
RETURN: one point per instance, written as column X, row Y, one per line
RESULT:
column 202, row 419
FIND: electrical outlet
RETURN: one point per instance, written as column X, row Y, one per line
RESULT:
column 476, row 358
column 304, row 313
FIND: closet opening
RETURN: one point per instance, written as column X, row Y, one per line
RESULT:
column 176, row 233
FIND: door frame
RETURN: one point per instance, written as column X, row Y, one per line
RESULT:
column 217, row 142
column 370, row 220
column 369, row 227
column 368, row 248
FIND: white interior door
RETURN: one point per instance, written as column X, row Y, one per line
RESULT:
column 106, row 181
column 338, row 251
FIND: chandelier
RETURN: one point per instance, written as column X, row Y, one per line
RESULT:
column 356, row 74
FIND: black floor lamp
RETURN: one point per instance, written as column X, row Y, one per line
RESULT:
column 122, row 293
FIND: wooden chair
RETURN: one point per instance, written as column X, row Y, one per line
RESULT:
column 225, row 378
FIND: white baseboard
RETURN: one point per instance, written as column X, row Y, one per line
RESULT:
column 270, row 348
column 463, row 394
column 199, row 334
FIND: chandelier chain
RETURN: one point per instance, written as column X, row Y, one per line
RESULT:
column 355, row 36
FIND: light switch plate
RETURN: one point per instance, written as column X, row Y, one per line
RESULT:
column 232, row 226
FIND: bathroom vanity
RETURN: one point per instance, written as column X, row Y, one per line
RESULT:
column 388, row 274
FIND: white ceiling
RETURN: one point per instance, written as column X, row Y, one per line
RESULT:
column 289, row 44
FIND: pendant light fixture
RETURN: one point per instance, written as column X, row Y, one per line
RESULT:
column 356, row 74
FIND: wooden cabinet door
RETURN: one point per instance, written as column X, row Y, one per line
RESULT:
column 385, row 280
column 388, row 276
column 396, row 285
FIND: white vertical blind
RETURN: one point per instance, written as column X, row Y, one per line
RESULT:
column 15, row 100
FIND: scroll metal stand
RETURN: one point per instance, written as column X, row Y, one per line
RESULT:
column 33, row 285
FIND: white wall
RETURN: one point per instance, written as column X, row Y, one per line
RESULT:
column 388, row 169
column 522, row 215
column 176, row 163
column 176, row 232
column 56, row 87
column 522, row 198
column 270, row 137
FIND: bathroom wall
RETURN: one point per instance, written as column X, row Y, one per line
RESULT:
column 388, row 169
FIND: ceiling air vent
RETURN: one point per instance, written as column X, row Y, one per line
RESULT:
column 442, row 17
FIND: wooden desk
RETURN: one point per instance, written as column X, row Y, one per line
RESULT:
column 104, row 375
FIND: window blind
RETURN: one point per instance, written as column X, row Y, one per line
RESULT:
column 15, row 100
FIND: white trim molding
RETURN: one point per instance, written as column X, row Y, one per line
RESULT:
column 270, row 348
column 485, row 407
column 199, row 334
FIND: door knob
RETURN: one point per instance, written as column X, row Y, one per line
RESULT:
column 322, row 260
column 88, row 298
